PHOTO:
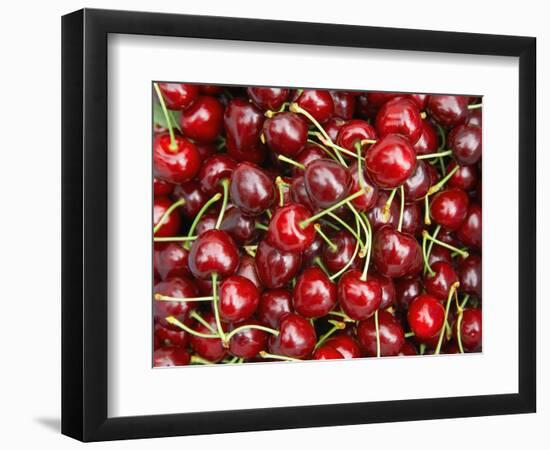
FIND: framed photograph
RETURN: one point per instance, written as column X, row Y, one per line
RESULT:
column 273, row 224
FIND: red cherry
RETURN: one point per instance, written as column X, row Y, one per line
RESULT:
column 448, row 110
column 210, row 89
column 179, row 95
column 413, row 222
column 314, row 294
column 310, row 153
column 441, row 281
column 469, row 232
column 203, row 121
column 285, row 232
column 247, row 269
column 274, row 304
column 376, row 214
column 240, row 227
column 248, row 342
column 396, row 254
column 213, row 252
column 377, row 99
column 359, row 299
column 170, row 338
column 213, row 171
column 439, row 253
column 286, row 133
column 171, row 224
column 243, row 125
column 333, row 126
column 407, row 289
column 296, row 337
column 470, row 330
column 325, row 352
column 298, row 193
column 469, row 273
column 171, row 260
column 464, row 178
column 390, row 161
column 251, row 189
column 345, row 345
column 391, row 334
column 465, row 141
column 475, row 117
column 344, row 104
column 176, row 165
column 318, row 103
column 421, row 100
column 161, row 187
column 407, row 349
column 239, row 299
column 388, row 289
column 428, row 141
column 206, row 223
column 170, row 357
column 310, row 253
column 211, row 349
column 418, row 184
column 193, row 196
column 335, row 259
column 426, row 316
column 449, row 208
column 268, row 98
column 353, row 132
column 399, row 116
column 366, row 201
column 276, row 267
column 173, row 287
column 327, row 182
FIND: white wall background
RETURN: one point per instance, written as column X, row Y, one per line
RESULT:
column 30, row 226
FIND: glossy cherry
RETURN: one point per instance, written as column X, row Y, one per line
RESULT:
column 251, row 189
column 247, row 269
column 465, row 178
column 179, row 95
column 312, row 252
column 171, row 260
column 439, row 283
column 428, row 141
column 407, row 289
column 465, row 141
column 168, row 338
column 325, row 352
column 470, row 330
column 203, row 121
column 161, row 187
column 276, row 267
column 376, row 215
column 388, row 289
column 413, row 219
column 318, row 103
column 171, row 224
column 299, row 194
column 344, row 104
column 448, row 110
column 469, row 273
column 274, row 304
column 285, row 231
column 399, row 116
column 396, row 254
column 327, row 182
column 359, row 299
column 239, row 299
column 353, row 132
column 173, row 287
column 346, row 345
column 426, row 316
column 170, row 357
column 333, row 126
column 243, row 125
column 286, row 133
column 213, row 171
column 440, row 253
column 408, row 349
column 449, row 208
column 248, row 342
column 240, row 227
column 377, row 99
column 267, row 98
column 310, row 153
column 418, row 184
column 211, row 349
column 334, row 259
column 469, row 232
column 296, row 337
column 314, row 294
column 175, row 165
column 213, row 252
column 391, row 334
column 193, row 195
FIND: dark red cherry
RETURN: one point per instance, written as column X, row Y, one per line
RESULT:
column 359, row 299
column 470, row 330
column 391, row 334
column 465, row 142
column 240, row 227
column 274, row 304
column 325, row 352
column 206, row 222
column 345, row 345
column 173, row 287
column 441, row 281
column 428, row 141
column 318, row 103
column 276, row 267
column 327, row 182
column 366, row 201
column 396, row 254
column 469, row 232
column 251, row 189
column 255, row 155
column 205, row 150
column 407, row 289
column 464, row 178
column 388, row 289
column 203, row 121
column 426, row 316
column 171, row 260
column 440, row 253
column 248, row 342
column 314, row 294
column 176, row 165
column 377, row 99
column 475, row 117
column 169, row 338
column 448, row 110
column 286, row 133
column 247, row 269
column 179, row 95
column 239, row 299
column 332, row 127
column 171, row 224
column 413, row 219
column 194, row 198
column 335, row 259
column 421, row 100
column 285, row 231
column 408, row 349
column 170, row 357
column 299, row 193
column 296, row 337
column 310, row 153
column 449, row 208
column 344, row 104
column 213, row 252
column 376, row 214
column 313, row 251
column 399, row 116
column 161, row 187
column 210, row 89
column 417, row 185
column 353, row 132
column 211, row 349
column 469, row 273
column 213, row 171
column 243, row 124
column 390, row 161
column 268, row 98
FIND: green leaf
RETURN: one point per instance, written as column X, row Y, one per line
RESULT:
column 160, row 119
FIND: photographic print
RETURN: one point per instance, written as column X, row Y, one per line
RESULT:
column 294, row 224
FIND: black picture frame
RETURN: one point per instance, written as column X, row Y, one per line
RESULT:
column 84, row 224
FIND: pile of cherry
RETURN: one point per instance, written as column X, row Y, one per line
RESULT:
column 314, row 224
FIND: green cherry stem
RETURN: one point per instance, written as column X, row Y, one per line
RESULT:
column 281, row 185
column 409, row 334
column 319, row 262
column 475, row 106
column 321, row 233
column 248, row 327
column 459, row 331
column 266, row 355
column 353, row 256
column 369, row 248
column 335, row 147
column 175, row 239
column 452, row 291
column 167, row 213
column 387, row 206
column 322, row 147
column 195, row 315
column 201, row 212
column 261, row 226
column 343, row 315
column 435, row 155
column 173, row 145
column 427, row 267
column 295, row 108
column 173, row 321
column 167, row 298
column 336, row 325
column 441, row 183
column 354, row 233
column 362, row 183
column 427, row 219
column 251, row 250
column 225, row 185
column 198, row 360
column 465, row 301
column 377, row 327
column 402, row 208
column 305, row 223
column 462, row 253
column 215, row 301
column 442, row 136
column 291, row 161
column 429, row 250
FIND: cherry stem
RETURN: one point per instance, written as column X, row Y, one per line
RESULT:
column 248, row 327
column 215, row 300
column 353, row 256
column 319, row 262
column 305, row 223
column 173, row 145
column 475, row 106
column 452, row 291
column 167, row 298
column 465, row 301
column 281, row 184
column 462, row 253
column 337, row 148
column 225, row 185
column 269, row 113
column 198, row 360
column 402, row 209
column 329, row 224
column 291, row 161
column 459, row 331
column 326, row 150
column 409, row 334
column 173, row 321
column 167, row 213
column 368, row 141
column 441, row 183
column 175, row 239
column 387, row 206
column 341, row 314
column 265, row 355
column 251, row 249
column 369, row 248
column 354, row 233
column 261, row 226
column 422, row 349
column 201, row 212
column 427, row 266
column 427, row 219
column 377, row 327
column 442, row 136
column 435, row 155
column 321, row 233
column 195, row 315
column 362, row 183
column 336, row 325
column 423, row 115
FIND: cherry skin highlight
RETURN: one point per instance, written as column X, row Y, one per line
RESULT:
column 314, row 294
